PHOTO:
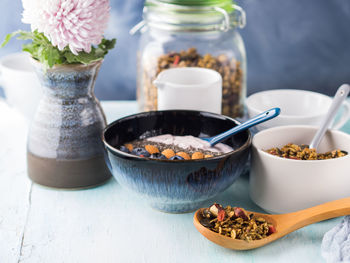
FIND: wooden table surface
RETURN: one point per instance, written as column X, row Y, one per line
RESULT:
column 108, row 224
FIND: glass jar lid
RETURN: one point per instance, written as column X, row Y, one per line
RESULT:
column 191, row 15
column 220, row 3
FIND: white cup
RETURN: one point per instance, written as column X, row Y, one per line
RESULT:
column 190, row 89
column 298, row 107
column 20, row 83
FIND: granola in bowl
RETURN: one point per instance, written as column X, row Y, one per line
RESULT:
column 303, row 152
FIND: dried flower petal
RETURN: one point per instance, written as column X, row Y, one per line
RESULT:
column 272, row 229
column 214, row 209
column 221, row 215
column 239, row 212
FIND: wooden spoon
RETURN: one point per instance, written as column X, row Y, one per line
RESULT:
column 284, row 223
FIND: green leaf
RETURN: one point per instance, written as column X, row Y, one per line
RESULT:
column 70, row 57
column 107, row 44
column 8, row 37
column 52, row 56
column 41, row 49
column 24, row 35
column 30, row 48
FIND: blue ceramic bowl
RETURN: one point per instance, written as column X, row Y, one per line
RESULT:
column 175, row 186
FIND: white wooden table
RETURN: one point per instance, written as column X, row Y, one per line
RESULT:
column 107, row 224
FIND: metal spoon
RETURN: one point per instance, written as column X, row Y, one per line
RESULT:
column 338, row 100
column 283, row 223
column 262, row 117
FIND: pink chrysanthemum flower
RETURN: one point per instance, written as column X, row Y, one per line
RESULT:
column 74, row 23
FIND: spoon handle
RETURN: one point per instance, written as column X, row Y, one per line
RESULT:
column 266, row 115
column 299, row 219
column 338, row 100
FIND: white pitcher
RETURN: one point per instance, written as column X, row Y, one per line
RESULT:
column 190, row 89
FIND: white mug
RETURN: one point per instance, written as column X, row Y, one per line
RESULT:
column 298, row 107
column 189, row 88
column 20, row 83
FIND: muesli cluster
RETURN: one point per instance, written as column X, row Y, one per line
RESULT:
column 303, row 152
column 236, row 223
column 230, row 70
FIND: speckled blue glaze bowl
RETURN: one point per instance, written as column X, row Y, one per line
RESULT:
column 175, row 186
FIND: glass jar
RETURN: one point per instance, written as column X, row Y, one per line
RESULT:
column 192, row 33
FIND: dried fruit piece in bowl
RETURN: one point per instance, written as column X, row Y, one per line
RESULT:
column 183, row 155
column 151, row 149
column 168, row 153
column 197, row 155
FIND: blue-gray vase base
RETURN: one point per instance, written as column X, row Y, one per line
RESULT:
column 67, row 174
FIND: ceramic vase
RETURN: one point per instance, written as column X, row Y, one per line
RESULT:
column 64, row 147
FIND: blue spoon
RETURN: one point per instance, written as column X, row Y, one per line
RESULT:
column 265, row 116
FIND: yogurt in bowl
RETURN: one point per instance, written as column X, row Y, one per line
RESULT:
column 187, row 142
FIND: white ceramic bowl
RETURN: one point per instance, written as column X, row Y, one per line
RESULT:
column 280, row 185
column 298, row 107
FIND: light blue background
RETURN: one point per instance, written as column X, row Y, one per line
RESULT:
column 290, row 44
